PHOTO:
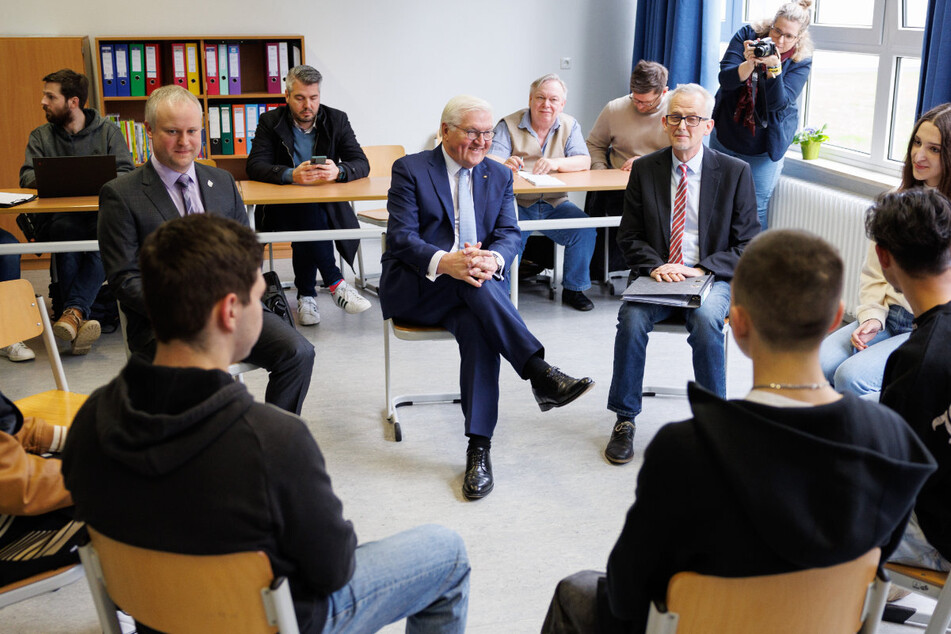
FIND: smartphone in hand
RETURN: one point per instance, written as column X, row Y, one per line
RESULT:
column 318, row 160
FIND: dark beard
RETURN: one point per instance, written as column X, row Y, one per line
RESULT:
column 60, row 120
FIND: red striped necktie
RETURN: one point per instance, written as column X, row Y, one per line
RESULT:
column 677, row 220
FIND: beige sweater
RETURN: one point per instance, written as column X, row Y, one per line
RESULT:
column 624, row 132
column 875, row 293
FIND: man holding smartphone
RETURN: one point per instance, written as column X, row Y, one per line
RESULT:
column 308, row 143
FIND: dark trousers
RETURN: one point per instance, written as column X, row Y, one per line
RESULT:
column 486, row 326
column 307, row 257
column 80, row 274
column 9, row 264
column 281, row 350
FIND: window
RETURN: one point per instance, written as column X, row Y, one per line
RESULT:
column 865, row 72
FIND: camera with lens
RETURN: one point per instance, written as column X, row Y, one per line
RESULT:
column 764, row 48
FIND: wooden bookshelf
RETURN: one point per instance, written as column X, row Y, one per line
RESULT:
column 26, row 60
column 254, row 79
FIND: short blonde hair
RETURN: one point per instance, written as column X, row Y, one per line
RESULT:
column 794, row 12
column 167, row 95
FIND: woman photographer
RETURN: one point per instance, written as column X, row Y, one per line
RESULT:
column 762, row 74
column 853, row 357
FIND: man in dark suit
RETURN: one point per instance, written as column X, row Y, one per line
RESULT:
column 169, row 186
column 688, row 211
column 451, row 230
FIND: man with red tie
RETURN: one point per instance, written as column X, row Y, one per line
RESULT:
column 688, row 211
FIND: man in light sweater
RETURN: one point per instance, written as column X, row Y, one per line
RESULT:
column 628, row 128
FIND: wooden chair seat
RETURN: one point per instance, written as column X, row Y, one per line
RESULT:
column 930, row 583
column 234, row 593
column 841, row 599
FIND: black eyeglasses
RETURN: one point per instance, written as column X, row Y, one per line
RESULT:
column 692, row 120
column 475, row 134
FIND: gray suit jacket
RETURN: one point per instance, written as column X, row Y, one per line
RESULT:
column 133, row 206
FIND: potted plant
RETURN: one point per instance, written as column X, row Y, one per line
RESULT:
column 810, row 140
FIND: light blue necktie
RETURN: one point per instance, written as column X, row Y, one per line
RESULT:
column 184, row 181
column 467, row 223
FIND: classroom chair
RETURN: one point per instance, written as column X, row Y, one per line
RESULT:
column 234, row 593
column 841, row 599
column 677, row 326
column 930, row 583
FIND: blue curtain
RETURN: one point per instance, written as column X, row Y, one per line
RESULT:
column 935, row 84
column 683, row 35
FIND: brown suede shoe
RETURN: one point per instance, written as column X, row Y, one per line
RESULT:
column 88, row 332
column 67, row 326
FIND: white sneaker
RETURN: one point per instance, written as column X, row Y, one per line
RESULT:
column 349, row 299
column 18, row 351
column 307, row 313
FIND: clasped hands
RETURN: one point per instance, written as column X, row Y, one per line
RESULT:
column 675, row 272
column 309, row 174
column 471, row 264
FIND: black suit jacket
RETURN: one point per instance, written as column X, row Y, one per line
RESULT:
column 133, row 206
column 727, row 218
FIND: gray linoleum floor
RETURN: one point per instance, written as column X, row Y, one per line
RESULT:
column 557, row 507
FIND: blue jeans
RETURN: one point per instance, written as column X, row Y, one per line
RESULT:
column 915, row 549
column 766, row 173
column 579, row 243
column 79, row 274
column 705, row 336
column 848, row 370
column 9, row 264
column 421, row 575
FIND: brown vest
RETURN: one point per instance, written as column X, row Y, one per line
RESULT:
column 528, row 148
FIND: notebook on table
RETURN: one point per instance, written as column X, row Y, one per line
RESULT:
column 58, row 176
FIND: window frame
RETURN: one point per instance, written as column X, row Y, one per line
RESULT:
column 888, row 39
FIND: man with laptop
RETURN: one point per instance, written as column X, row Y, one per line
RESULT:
column 73, row 130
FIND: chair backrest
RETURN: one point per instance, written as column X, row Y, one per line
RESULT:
column 19, row 314
column 382, row 157
column 23, row 316
column 207, row 161
column 843, row 598
column 189, row 593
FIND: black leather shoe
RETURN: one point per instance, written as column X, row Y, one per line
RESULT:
column 620, row 449
column 477, row 482
column 576, row 299
column 555, row 388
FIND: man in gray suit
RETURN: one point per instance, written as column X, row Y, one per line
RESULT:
column 169, row 186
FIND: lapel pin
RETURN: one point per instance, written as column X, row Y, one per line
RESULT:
column 210, row 184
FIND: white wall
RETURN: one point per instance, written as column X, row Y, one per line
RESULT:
column 391, row 65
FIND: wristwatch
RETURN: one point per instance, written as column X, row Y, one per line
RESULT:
column 342, row 174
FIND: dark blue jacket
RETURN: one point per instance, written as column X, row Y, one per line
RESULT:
column 775, row 96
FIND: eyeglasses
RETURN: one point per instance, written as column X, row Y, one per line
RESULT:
column 475, row 134
column 692, row 120
column 646, row 104
column 779, row 35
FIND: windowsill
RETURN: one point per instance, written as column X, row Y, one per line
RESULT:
column 850, row 178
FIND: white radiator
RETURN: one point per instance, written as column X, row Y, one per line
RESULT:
column 836, row 215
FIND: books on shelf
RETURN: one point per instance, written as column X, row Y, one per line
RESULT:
column 232, row 126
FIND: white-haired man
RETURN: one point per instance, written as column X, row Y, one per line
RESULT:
column 688, row 211
column 451, row 230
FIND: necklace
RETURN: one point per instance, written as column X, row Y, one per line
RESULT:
column 791, row 386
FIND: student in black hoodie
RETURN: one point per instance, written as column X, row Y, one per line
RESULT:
column 912, row 234
column 794, row 476
column 196, row 466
